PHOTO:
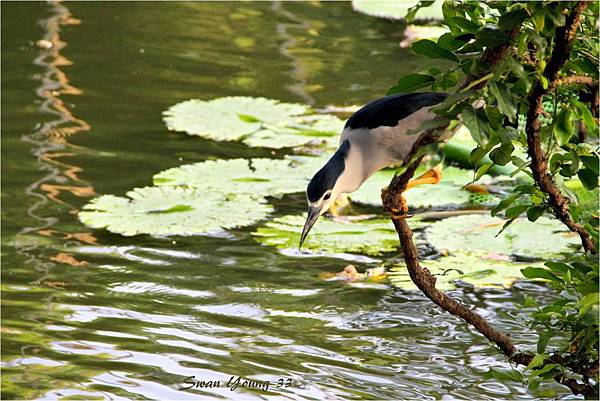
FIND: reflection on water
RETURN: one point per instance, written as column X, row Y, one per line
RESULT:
column 90, row 314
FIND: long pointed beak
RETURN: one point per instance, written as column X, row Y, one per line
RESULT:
column 313, row 216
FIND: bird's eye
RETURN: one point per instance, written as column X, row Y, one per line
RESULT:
column 327, row 196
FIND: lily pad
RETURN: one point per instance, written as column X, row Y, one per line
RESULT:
column 257, row 122
column 262, row 177
column 371, row 237
column 476, row 234
column 479, row 271
column 318, row 130
column 448, row 192
column 397, row 9
column 165, row 211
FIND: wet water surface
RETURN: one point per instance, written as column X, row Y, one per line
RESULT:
column 92, row 314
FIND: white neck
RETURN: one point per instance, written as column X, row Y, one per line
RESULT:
column 356, row 171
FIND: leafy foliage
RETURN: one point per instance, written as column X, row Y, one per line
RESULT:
column 495, row 126
column 497, row 108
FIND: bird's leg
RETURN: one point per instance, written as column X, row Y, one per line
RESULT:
column 432, row 176
column 338, row 204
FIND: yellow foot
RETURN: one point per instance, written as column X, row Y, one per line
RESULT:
column 432, row 176
column 340, row 203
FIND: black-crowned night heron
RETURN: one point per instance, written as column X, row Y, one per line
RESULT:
column 375, row 137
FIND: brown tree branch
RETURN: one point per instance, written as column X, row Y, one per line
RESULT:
column 563, row 42
column 426, row 283
column 422, row 278
column 574, row 79
column 390, row 199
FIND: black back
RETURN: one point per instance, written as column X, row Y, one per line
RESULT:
column 388, row 110
column 325, row 178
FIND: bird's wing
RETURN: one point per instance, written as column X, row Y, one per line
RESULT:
column 380, row 129
column 389, row 110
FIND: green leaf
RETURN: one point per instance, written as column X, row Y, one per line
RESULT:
column 588, row 119
column 437, row 122
column 447, row 80
column 412, row 12
column 477, row 125
column 591, row 162
column 540, row 273
column 588, row 178
column 453, row 100
column 477, row 154
column 450, row 42
column 465, row 24
column 504, row 99
column 537, row 360
column 508, row 134
column 511, row 19
column 482, row 170
column 502, row 154
column 563, row 126
column 515, row 211
column 431, row 49
column 588, row 301
column 490, row 37
column 558, row 267
column 535, row 212
column 504, row 374
column 165, row 211
column 529, row 302
column 518, row 69
column 466, row 65
column 534, row 385
column 505, row 203
column 543, row 339
column 411, row 82
column 545, row 369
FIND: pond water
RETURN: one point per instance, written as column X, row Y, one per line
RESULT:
column 92, row 314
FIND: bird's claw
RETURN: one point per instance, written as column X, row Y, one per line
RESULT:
column 397, row 213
